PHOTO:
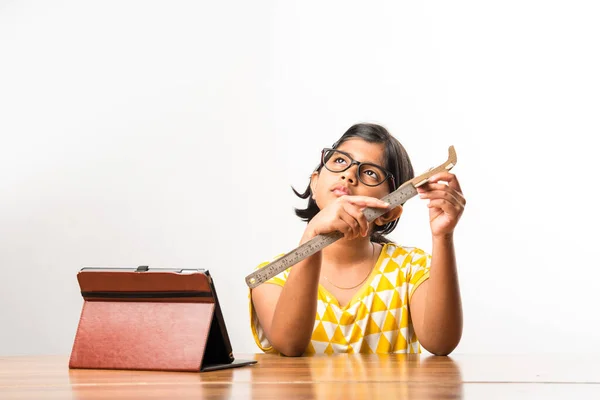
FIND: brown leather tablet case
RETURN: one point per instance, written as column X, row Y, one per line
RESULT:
column 151, row 319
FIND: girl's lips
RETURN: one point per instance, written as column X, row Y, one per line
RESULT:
column 340, row 191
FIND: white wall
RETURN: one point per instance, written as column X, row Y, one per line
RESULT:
column 168, row 134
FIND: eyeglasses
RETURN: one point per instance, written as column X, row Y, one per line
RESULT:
column 368, row 173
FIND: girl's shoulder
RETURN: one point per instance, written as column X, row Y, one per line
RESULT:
column 278, row 279
column 396, row 250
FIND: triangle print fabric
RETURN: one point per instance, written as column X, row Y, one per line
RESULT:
column 376, row 320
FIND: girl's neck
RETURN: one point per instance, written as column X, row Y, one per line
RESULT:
column 346, row 253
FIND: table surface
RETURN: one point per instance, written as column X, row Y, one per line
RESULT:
column 324, row 377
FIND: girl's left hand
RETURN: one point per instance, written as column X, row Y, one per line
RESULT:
column 446, row 202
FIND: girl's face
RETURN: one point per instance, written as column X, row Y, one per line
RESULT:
column 327, row 186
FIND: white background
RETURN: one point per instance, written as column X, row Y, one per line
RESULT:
column 169, row 133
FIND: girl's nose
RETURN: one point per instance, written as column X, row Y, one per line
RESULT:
column 350, row 175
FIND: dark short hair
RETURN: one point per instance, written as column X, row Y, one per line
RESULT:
column 396, row 160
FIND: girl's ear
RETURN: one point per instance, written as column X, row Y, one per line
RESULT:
column 314, row 178
column 389, row 216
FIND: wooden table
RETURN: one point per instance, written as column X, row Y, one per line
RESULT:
column 322, row 377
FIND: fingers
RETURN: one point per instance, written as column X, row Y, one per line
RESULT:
column 446, row 206
column 351, row 221
column 348, row 226
column 357, row 216
column 444, row 193
column 365, row 201
column 446, row 177
column 450, row 190
column 346, row 216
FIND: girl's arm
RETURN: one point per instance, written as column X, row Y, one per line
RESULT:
column 287, row 314
column 435, row 306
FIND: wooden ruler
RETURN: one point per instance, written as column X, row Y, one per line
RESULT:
column 396, row 198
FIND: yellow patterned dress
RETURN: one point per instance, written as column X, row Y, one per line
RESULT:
column 377, row 318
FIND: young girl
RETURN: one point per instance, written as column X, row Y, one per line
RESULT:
column 364, row 294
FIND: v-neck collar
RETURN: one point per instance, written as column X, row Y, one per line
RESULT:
column 360, row 293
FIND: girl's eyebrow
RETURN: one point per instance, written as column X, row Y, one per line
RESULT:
column 354, row 158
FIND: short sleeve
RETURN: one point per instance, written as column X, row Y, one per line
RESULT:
column 278, row 279
column 257, row 332
column 420, row 264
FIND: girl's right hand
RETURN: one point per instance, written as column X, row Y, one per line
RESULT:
column 345, row 215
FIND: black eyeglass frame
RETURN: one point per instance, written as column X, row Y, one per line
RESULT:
column 388, row 174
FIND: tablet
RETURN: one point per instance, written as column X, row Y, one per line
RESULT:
column 151, row 319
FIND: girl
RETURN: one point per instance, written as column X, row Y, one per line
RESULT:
column 364, row 293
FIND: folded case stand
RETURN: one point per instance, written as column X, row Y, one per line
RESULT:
column 151, row 319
